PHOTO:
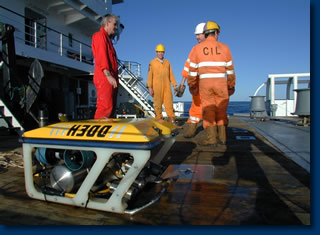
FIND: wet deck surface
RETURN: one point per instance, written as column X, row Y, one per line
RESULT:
column 246, row 182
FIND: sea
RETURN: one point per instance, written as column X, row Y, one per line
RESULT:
column 233, row 107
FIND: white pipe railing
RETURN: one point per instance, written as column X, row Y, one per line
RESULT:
column 35, row 34
column 289, row 75
column 286, row 106
column 42, row 37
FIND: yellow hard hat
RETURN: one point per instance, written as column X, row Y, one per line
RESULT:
column 210, row 27
column 160, row 47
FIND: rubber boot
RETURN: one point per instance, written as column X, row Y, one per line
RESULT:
column 211, row 139
column 192, row 128
column 222, row 135
column 173, row 121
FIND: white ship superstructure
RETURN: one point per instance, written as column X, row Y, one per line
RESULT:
column 58, row 35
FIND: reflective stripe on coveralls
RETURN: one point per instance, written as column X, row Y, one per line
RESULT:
column 160, row 76
column 194, row 120
column 210, row 63
column 195, row 111
column 105, row 57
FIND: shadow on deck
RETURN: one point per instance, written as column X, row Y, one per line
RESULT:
column 246, row 182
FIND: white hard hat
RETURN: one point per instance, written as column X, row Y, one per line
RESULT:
column 199, row 28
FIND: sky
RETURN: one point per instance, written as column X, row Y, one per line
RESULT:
column 264, row 36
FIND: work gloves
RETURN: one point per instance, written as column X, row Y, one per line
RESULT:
column 178, row 91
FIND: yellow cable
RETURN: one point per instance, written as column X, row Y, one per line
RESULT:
column 70, row 195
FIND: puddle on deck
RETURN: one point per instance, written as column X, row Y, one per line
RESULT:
column 195, row 198
column 203, row 173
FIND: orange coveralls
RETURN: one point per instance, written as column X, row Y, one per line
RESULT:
column 210, row 63
column 105, row 57
column 195, row 111
column 160, row 76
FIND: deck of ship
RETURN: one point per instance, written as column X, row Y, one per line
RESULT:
column 247, row 182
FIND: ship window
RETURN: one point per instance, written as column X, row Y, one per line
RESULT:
column 70, row 39
column 35, row 29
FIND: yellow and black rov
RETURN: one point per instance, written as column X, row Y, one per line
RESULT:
column 99, row 164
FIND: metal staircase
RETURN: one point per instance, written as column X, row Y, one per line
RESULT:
column 8, row 120
column 131, row 82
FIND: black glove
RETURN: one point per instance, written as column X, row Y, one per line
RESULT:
column 179, row 91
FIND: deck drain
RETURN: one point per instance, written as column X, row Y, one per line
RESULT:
column 245, row 137
column 238, row 130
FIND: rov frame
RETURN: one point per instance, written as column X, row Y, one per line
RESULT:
column 104, row 150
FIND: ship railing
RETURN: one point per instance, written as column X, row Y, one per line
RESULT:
column 131, row 81
column 286, row 105
column 38, row 35
column 132, row 67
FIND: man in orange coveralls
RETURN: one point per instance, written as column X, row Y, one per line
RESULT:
column 106, row 68
column 210, row 64
column 195, row 111
column 160, row 76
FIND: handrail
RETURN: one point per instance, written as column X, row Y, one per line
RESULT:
column 43, row 25
column 43, row 37
column 135, row 76
column 284, row 106
column 134, row 86
column 288, row 75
